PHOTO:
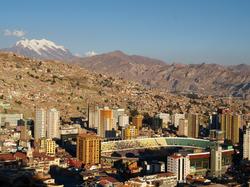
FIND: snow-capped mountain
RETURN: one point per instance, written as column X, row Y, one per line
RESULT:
column 41, row 49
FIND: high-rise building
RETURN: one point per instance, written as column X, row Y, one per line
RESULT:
column 179, row 165
column 165, row 119
column 50, row 147
column 246, row 143
column 137, row 121
column 88, row 148
column 236, row 129
column 215, row 121
column 130, row 132
column 116, row 113
column 93, row 117
column 40, row 124
column 156, row 123
column 230, row 125
column 123, row 120
column 183, row 127
column 193, row 125
column 176, row 119
column 216, row 161
column 106, row 122
column 53, row 122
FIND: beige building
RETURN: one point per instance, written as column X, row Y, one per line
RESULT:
column 183, row 127
column 50, row 147
column 137, row 121
column 246, row 143
column 230, row 125
column 53, row 123
column 40, row 124
column 193, row 125
column 88, row 148
column 11, row 119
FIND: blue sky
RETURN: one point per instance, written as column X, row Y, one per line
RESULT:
column 181, row 31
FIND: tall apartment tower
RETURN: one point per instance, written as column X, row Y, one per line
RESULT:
column 137, row 121
column 88, row 148
column 53, row 123
column 230, row 125
column 176, row 119
column 93, row 117
column 193, row 125
column 183, row 127
column 165, row 119
column 40, row 124
column 236, row 129
column 246, row 143
column 215, row 121
column 106, row 121
column 179, row 165
column 116, row 113
column 123, row 120
column 216, row 161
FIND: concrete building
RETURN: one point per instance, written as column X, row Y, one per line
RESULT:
column 123, row 120
column 193, row 125
column 215, row 121
column 179, row 165
column 216, row 161
column 88, row 148
column 11, row 119
column 131, row 132
column 137, row 121
column 106, row 121
column 40, row 124
column 50, row 147
column 216, row 135
column 176, row 119
column 246, row 143
column 93, row 117
column 160, row 180
column 116, row 113
column 230, row 125
column 183, row 127
column 53, row 123
column 165, row 119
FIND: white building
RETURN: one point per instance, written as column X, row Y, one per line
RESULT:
column 123, row 120
column 53, row 123
column 216, row 161
column 40, row 124
column 179, row 165
column 176, row 119
column 116, row 113
column 93, row 117
column 246, row 143
column 12, row 119
column 165, row 118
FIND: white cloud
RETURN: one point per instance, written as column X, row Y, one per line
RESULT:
column 90, row 53
column 16, row 33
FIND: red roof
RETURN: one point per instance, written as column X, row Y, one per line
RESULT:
column 7, row 156
column 110, row 179
column 196, row 156
column 20, row 155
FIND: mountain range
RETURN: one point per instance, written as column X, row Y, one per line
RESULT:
column 208, row 79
